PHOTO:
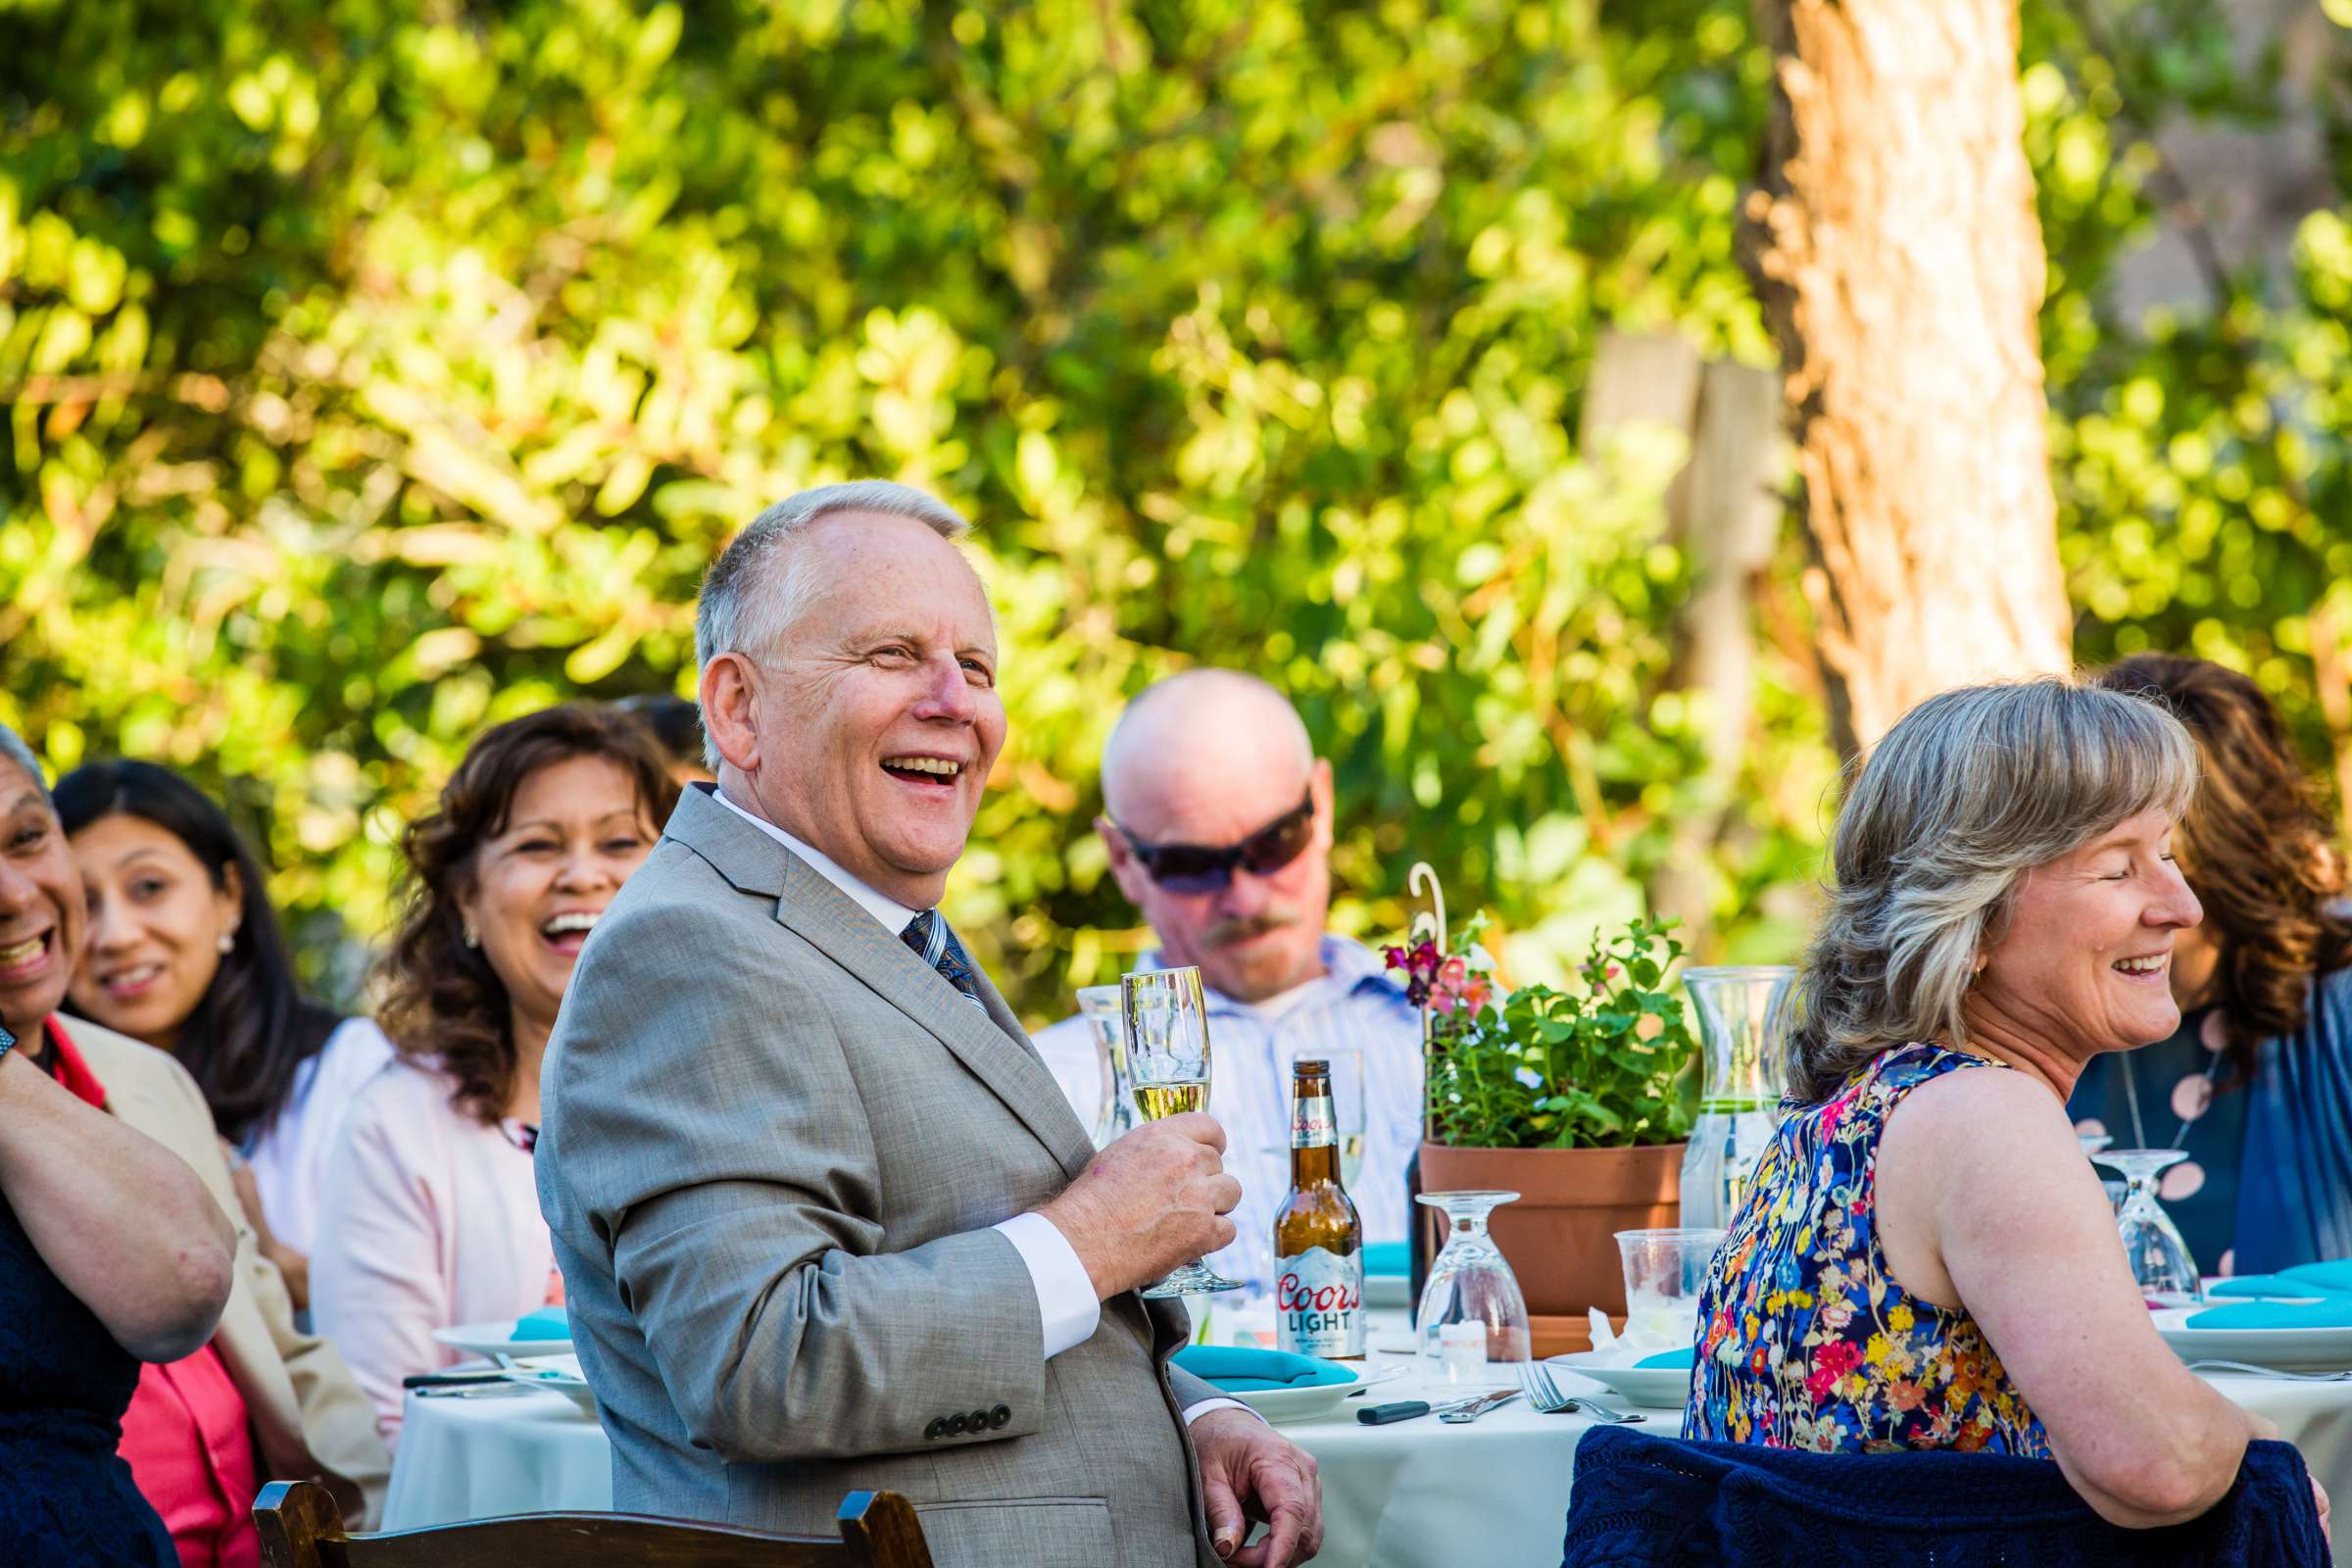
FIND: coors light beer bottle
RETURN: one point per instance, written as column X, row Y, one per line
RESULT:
column 1318, row 1240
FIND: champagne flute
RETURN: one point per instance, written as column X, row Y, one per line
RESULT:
column 1166, row 1024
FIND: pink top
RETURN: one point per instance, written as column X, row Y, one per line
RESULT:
column 187, row 1440
column 429, row 1219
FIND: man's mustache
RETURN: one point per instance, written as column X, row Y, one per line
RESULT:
column 1225, row 933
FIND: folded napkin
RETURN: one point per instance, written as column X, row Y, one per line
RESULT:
column 2333, row 1278
column 1247, row 1369
column 1387, row 1257
column 1634, row 1348
column 548, row 1323
column 2259, row 1287
column 2333, row 1314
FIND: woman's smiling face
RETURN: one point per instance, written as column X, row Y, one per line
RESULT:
column 157, row 924
column 573, row 833
column 2083, row 956
column 43, row 908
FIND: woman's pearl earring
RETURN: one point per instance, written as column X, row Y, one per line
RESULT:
column 228, row 942
column 473, row 938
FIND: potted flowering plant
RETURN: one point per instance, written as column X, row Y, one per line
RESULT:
column 1578, row 1099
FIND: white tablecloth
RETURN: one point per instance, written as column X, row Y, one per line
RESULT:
column 1411, row 1494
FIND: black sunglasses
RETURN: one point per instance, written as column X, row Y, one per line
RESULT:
column 1198, row 868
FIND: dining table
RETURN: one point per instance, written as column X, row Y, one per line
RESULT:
column 1412, row 1494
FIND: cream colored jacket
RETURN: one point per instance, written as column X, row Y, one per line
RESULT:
column 310, row 1419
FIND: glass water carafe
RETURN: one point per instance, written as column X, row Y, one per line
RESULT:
column 1742, row 1026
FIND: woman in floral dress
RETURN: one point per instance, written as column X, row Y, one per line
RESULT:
column 1925, row 1259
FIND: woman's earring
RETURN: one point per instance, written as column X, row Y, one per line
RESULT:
column 473, row 938
column 228, row 942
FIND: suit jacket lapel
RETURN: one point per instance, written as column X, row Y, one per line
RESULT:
column 991, row 1044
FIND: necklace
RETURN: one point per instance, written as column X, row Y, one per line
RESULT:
column 2139, row 1131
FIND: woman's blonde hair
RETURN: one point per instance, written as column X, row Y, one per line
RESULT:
column 1968, row 792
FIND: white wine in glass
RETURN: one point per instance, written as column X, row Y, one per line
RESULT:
column 1165, row 1018
column 1159, row 1101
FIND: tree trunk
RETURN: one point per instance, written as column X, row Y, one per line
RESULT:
column 1900, row 263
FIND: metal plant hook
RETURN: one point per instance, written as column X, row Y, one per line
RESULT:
column 1431, row 923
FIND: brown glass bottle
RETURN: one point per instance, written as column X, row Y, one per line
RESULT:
column 1318, row 1238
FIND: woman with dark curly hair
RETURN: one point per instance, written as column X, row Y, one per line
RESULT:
column 185, row 954
column 430, row 1217
column 2256, row 1084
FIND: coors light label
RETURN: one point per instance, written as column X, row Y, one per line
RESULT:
column 1319, row 1304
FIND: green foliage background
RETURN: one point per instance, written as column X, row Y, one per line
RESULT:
column 378, row 368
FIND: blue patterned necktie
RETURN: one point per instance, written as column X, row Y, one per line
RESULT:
column 933, row 943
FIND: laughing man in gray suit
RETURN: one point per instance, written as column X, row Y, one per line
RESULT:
column 825, row 1221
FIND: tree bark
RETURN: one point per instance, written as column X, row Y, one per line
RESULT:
column 1900, row 258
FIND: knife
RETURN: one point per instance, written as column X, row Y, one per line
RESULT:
column 1471, row 1409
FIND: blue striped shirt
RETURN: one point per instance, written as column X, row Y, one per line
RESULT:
column 1355, row 1004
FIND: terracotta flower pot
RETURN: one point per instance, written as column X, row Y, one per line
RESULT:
column 1560, row 1237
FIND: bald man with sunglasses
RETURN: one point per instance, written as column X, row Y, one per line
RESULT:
column 1217, row 817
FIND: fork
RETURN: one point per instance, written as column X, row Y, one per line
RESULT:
column 2246, row 1369
column 1545, row 1395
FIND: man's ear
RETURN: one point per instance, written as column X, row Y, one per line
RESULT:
column 731, row 710
column 1125, row 868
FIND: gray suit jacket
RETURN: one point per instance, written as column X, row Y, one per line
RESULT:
column 774, row 1142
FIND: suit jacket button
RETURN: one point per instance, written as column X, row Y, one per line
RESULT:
column 956, row 1425
column 999, row 1416
column 979, row 1421
column 937, row 1429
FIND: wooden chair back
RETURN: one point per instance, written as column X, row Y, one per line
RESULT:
column 301, row 1527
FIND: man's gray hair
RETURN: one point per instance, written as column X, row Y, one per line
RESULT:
column 14, row 750
column 1966, row 793
column 753, row 594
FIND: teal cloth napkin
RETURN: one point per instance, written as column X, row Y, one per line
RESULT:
column 2334, row 1277
column 1681, row 1359
column 1387, row 1257
column 1247, row 1369
column 548, row 1323
column 2304, row 1279
column 2333, row 1313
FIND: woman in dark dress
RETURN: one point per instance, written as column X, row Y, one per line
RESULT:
column 2255, row 1087
column 111, row 1252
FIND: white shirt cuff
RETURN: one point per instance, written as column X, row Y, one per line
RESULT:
column 1193, row 1412
column 1065, row 1296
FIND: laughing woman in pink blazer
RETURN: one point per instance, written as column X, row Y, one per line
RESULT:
column 430, row 1217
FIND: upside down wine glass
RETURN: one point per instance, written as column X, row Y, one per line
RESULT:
column 2152, row 1244
column 1166, row 1020
column 1472, row 1324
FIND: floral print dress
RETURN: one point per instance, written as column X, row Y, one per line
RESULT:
column 1805, row 1340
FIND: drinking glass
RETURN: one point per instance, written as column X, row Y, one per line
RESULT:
column 1114, row 1116
column 1663, row 1272
column 2152, row 1244
column 1472, row 1326
column 1347, row 1110
column 1166, row 1025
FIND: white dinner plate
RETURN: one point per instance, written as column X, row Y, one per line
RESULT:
column 1660, row 1388
column 1285, row 1406
column 2280, row 1350
column 498, row 1338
